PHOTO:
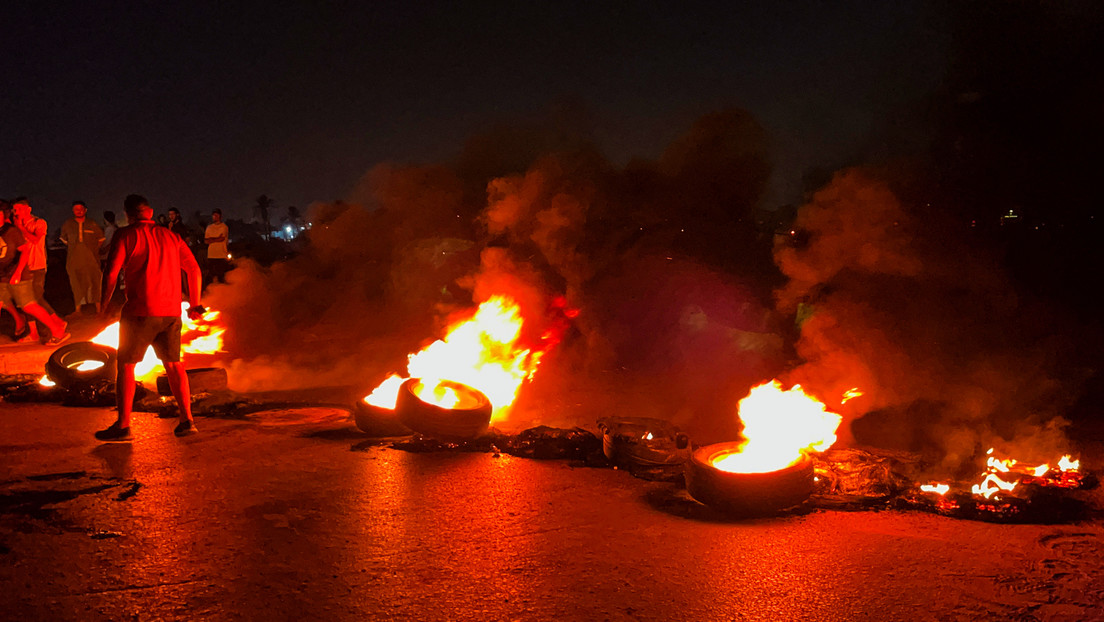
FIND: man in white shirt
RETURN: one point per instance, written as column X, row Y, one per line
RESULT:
column 217, row 237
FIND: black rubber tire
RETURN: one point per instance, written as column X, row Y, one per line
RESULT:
column 443, row 423
column 60, row 365
column 378, row 422
column 200, row 380
column 746, row 494
column 623, row 446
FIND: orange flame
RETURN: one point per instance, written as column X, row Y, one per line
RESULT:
column 483, row 352
column 200, row 337
column 990, row 485
column 779, row 426
column 850, row 394
column 1004, row 475
column 939, row 489
column 1065, row 464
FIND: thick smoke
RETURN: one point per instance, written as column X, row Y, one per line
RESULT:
column 661, row 258
column 673, row 278
column 950, row 357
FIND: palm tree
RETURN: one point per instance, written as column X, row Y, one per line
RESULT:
column 264, row 203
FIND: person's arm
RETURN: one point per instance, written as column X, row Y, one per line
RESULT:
column 212, row 240
column 33, row 232
column 115, row 260
column 63, row 235
column 24, row 255
column 194, row 278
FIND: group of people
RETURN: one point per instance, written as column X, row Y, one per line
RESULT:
column 149, row 257
column 87, row 243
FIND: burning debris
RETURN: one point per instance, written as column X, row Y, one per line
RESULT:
column 1008, row 491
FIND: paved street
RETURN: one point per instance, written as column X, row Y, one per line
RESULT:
column 277, row 517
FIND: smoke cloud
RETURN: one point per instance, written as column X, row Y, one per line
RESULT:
column 926, row 323
column 685, row 301
column 661, row 258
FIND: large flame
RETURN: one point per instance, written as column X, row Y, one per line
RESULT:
column 483, row 352
column 196, row 337
column 203, row 336
column 779, row 426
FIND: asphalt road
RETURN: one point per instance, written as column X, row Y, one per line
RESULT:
column 275, row 518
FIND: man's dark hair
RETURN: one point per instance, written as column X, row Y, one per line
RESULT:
column 173, row 210
column 133, row 203
column 109, row 216
column 217, row 210
column 76, row 203
column 18, row 200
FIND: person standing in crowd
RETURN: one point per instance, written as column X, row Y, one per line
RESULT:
column 177, row 226
column 216, row 236
column 83, row 237
column 151, row 259
column 15, row 253
column 34, row 231
column 109, row 232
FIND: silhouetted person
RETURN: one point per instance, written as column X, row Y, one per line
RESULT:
column 83, row 237
column 151, row 258
column 177, row 226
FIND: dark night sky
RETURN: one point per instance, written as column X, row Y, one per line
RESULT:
column 209, row 106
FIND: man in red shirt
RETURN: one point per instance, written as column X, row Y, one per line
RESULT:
column 150, row 258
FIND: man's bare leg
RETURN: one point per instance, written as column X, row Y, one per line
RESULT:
column 177, row 375
column 56, row 325
column 124, row 393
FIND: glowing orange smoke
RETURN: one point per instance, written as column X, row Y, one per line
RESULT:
column 483, row 352
column 203, row 336
column 779, row 426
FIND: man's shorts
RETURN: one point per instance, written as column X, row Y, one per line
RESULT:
column 6, row 300
column 138, row 333
column 22, row 293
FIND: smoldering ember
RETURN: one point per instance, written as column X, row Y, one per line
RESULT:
column 816, row 339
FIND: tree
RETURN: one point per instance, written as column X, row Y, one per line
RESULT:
column 261, row 209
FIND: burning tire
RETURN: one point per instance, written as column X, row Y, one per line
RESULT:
column 746, row 494
column 200, row 380
column 467, row 419
column 99, row 363
column 377, row 421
